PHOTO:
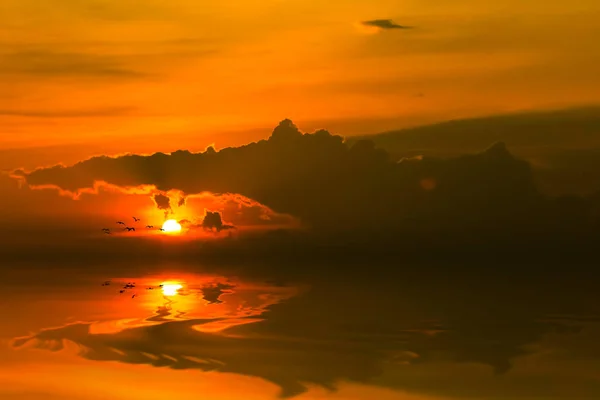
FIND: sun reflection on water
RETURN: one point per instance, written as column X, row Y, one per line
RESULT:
column 171, row 289
column 156, row 300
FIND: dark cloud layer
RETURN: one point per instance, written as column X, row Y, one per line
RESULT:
column 562, row 145
column 355, row 190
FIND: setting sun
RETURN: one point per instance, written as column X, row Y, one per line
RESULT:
column 171, row 225
column 171, row 289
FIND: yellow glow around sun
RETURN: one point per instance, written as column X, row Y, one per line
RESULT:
column 170, row 289
column 171, row 225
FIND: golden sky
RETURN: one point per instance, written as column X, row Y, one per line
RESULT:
column 90, row 71
column 86, row 77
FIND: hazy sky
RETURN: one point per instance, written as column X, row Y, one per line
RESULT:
column 88, row 71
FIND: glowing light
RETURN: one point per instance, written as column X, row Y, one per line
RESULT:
column 171, row 289
column 171, row 225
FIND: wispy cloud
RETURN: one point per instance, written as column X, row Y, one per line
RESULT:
column 59, row 64
column 81, row 113
column 385, row 24
column 102, row 10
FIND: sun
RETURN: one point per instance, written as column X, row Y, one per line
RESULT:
column 170, row 289
column 171, row 225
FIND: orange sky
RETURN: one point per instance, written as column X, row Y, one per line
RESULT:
column 86, row 77
column 173, row 73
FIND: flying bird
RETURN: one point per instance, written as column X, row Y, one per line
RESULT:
column 149, row 226
column 135, row 294
column 122, row 291
column 129, row 229
column 385, row 24
column 161, row 229
column 136, row 219
column 107, row 232
column 106, row 283
column 120, row 222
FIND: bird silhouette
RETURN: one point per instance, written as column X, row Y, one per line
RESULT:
column 161, row 229
column 129, row 229
column 107, row 232
column 106, row 283
column 149, row 226
column 136, row 219
column 135, row 294
column 122, row 291
column 120, row 222
column 105, row 229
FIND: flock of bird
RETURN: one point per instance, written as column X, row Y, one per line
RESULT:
column 131, row 285
column 129, row 228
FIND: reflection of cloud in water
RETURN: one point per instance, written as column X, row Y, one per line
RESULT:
column 391, row 335
column 282, row 360
column 222, row 325
column 165, row 313
column 211, row 293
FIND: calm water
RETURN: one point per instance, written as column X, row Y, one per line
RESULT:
column 228, row 333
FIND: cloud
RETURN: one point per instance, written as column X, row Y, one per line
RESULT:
column 561, row 145
column 99, row 112
column 163, row 203
column 384, row 24
column 534, row 130
column 350, row 193
column 51, row 64
column 212, row 221
column 238, row 212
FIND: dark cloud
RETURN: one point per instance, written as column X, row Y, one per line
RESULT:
column 163, row 203
column 561, row 145
column 241, row 211
column 239, row 215
column 357, row 193
column 385, row 24
column 212, row 221
column 49, row 64
column 554, row 129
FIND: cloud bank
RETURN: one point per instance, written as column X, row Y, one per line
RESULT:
column 333, row 187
